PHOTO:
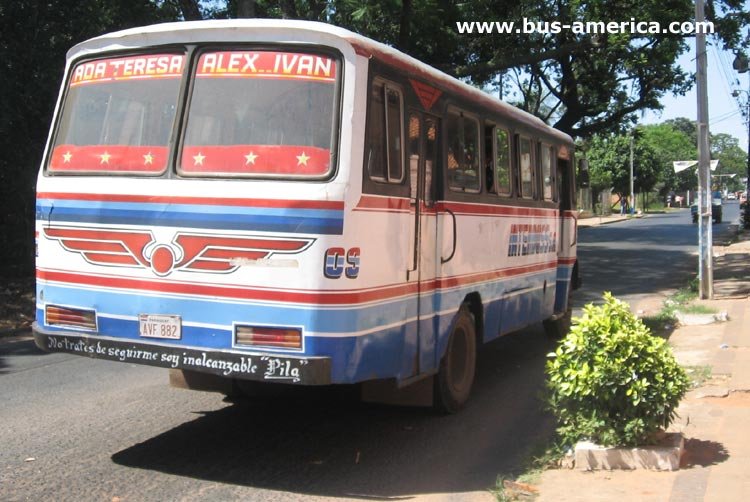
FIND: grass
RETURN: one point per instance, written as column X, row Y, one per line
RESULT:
column 499, row 490
column 698, row 375
column 545, row 454
column 697, row 309
column 662, row 323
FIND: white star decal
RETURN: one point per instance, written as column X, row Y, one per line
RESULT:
column 302, row 159
column 250, row 158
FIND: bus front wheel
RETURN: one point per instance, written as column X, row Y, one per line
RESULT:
column 456, row 374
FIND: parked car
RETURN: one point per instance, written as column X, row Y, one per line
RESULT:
column 731, row 196
column 716, row 211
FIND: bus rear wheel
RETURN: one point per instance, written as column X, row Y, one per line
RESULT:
column 456, row 374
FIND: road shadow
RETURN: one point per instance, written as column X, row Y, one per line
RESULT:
column 732, row 276
column 330, row 445
column 17, row 346
column 703, row 453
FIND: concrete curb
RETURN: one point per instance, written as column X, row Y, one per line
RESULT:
column 596, row 221
column 661, row 457
column 700, row 319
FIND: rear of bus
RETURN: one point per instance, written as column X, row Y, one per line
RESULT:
column 191, row 187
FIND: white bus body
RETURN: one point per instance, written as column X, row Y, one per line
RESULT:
column 285, row 201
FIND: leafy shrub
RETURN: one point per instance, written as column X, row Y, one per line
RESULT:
column 611, row 381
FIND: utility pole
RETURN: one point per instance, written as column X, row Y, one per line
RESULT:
column 705, row 261
column 632, row 197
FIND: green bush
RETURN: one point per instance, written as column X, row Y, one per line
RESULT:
column 610, row 381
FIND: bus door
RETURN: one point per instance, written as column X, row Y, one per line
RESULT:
column 566, row 231
column 423, row 157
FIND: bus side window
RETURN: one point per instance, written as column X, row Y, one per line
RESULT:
column 463, row 152
column 548, row 173
column 526, row 163
column 384, row 133
column 502, row 162
column 413, row 153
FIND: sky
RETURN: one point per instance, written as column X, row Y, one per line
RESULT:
column 723, row 109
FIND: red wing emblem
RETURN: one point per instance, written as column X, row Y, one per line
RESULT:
column 189, row 252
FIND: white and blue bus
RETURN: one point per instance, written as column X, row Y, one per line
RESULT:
column 288, row 202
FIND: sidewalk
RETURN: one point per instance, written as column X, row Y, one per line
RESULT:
column 594, row 221
column 714, row 418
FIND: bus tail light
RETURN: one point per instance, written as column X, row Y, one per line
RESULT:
column 70, row 317
column 262, row 336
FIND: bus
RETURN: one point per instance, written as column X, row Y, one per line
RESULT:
column 268, row 202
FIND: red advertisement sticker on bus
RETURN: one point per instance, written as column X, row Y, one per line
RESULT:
column 265, row 64
column 131, row 67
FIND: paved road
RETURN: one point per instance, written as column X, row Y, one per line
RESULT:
column 99, row 430
column 78, row 429
column 640, row 257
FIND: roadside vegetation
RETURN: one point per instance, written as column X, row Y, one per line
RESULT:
column 610, row 381
column 663, row 322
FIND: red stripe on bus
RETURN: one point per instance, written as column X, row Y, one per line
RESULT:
column 467, row 208
column 211, row 201
column 329, row 297
column 402, row 204
column 368, row 202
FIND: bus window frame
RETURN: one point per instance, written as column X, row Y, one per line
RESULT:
column 495, row 125
column 463, row 114
column 387, row 84
column 535, row 167
column 337, row 111
column 552, row 153
column 168, row 170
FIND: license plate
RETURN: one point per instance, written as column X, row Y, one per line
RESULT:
column 160, row 326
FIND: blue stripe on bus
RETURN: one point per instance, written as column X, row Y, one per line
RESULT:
column 313, row 221
column 387, row 351
column 329, row 319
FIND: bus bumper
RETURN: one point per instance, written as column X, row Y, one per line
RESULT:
column 302, row 370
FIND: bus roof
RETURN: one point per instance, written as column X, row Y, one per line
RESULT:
column 232, row 30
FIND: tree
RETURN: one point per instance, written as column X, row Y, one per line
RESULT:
column 732, row 160
column 609, row 159
column 670, row 144
column 33, row 43
column 593, row 83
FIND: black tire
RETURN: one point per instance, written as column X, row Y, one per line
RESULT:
column 558, row 328
column 456, row 374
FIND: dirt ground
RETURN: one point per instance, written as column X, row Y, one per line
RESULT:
column 16, row 305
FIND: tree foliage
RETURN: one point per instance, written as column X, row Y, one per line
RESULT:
column 668, row 145
column 732, row 161
column 611, row 381
column 35, row 37
column 609, row 162
column 583, row 84
column 593, row 83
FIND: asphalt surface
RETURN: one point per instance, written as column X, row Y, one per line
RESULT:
column 633, row 259
column 72, row 428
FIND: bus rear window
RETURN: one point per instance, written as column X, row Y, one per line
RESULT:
column 118, row 115
column 261, row 113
